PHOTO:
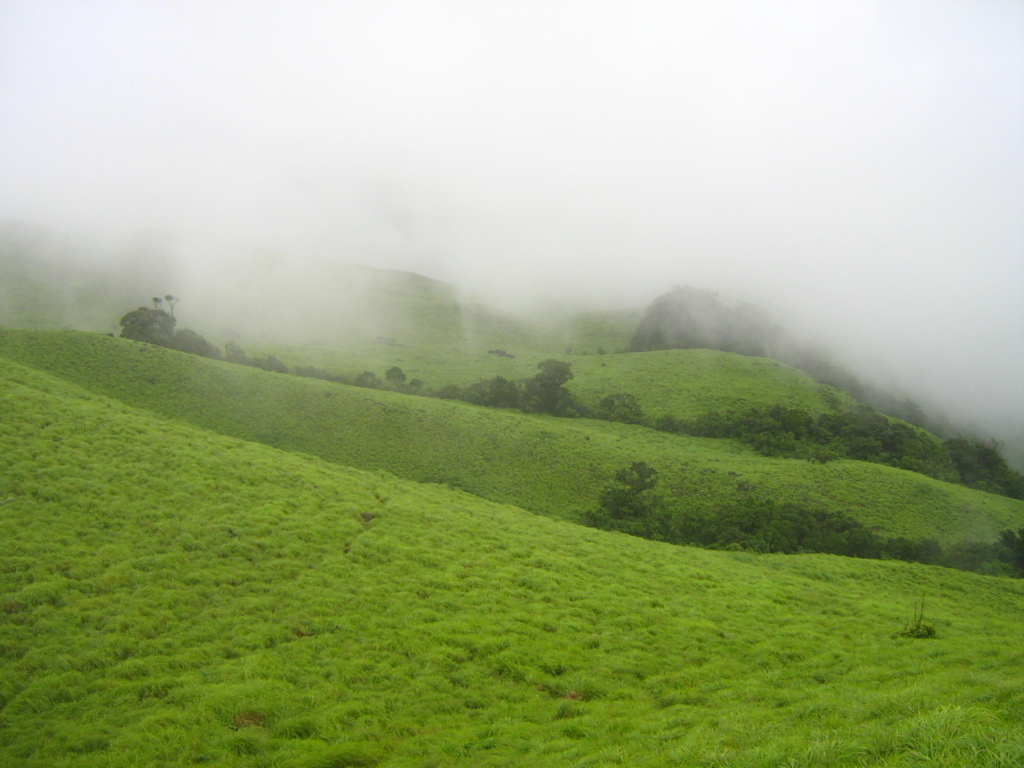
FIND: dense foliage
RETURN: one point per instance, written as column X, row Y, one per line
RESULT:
column 632, row 504
column 981, row 465
column 544, row 393
column 157, row 326
column 858, row 433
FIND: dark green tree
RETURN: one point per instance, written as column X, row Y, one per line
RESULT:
column 270, row 363
column 546, row 392
column 186, row 340
column 367, row 379
column 981, row 465
column 631, row 503
column 156, row 326
column 1013, row 549
column 498, row 392
column 621, row 406
column 153, row 326
column 235, row 354
column 395, row 376
column 171, row 302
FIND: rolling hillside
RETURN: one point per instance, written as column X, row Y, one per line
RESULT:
column 176, row 597
column 680, row 383
column 544, row 464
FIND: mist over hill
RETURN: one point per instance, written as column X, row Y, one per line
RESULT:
column 50, row 279
column 689, row 318
column 856, row 169
column 412, row 243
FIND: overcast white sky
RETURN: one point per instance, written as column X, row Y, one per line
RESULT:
column 856, row 166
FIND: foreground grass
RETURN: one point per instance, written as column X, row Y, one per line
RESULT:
column 548, row 465
column 175, row 597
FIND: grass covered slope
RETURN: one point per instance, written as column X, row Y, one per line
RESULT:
column 688, row 382
column 175, row 597
column 680, row 383
column 545, row 464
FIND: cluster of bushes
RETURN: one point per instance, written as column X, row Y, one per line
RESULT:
column 158, row 326
column 862, row 434
column 632, row 504
column 544, row 393
column 235, row 354
column 981, row 465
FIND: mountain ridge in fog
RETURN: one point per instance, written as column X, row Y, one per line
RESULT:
column 258, row 296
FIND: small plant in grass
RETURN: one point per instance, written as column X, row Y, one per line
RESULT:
column 247, row 719
column 917, row 628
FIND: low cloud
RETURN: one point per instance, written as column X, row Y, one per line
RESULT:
column 856, row 168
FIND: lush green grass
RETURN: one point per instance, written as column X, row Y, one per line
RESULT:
column 463, row 359
column 175, row 597
column 680, row 383
column 549, row 465
column 688, row 382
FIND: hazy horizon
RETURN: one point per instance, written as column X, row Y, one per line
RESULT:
column 857, row 168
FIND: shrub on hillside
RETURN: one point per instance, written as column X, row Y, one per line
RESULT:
column 157, row 326
column 186, row 340
column 620, row 406
column 395, row 376
column 154, row 326
column 1012, row 549
column 235, row 354
column 546, row 392
column 631, row 504
column 368, row 379
column 981, row 465
column 270, row 363
column 498, row 392
column 312, row 372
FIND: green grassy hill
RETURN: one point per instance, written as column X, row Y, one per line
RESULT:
column 680, row 383
column 175, row 597
column 549, row 465
column 688, row 382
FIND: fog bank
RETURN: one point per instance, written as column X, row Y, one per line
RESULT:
column 857, row 168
